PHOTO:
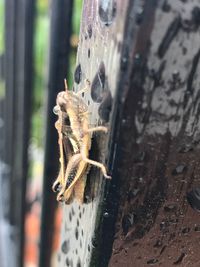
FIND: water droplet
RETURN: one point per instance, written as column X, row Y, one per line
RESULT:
column 152, row 261
column 197, row 228
column 89, row 30
column 59, row 257
column 78, row 74
column 105, row 107
column 179, row 169
column 158, row 244
column 166, row 7
column 164, row 225
column 127, row 221
column 89, row 53
column 67, row 262
column 186, row 148
column 106, row 215
column 73, row 212
column 140, row 157
column 184, row 50
column 186, row 230
column 107, row 11
column 97, row 87
column 56, row 110
column 76, row 233
column 175, row 75
column 132, row 194
column 193, row 198
column 162, row 249
column 139, row 15
column 196, row 16
column 94, row 242
column 124, row 59
column 170, row 208
column 137, row 57
column 65, row 247
column 79, row 263
column 180, row 258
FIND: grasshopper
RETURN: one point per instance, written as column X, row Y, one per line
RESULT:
column 74, row 138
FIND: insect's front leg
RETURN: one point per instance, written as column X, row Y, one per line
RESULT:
column 58, row 126
column 96, row 129
column 84, row 89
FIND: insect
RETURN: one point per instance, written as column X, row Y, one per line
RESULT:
column 74, row 138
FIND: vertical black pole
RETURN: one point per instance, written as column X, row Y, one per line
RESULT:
column 19, row 16
column 61, row 13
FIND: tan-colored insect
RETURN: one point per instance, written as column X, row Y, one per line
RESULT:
column 70, row 106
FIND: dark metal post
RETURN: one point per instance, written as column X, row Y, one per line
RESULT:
column 61, row 13
column 18, row 75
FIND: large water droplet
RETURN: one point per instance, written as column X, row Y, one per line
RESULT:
column 107, row 11
column 97, row 87
column 78, row 74
column 152, row 261
column 170, row 208
column 65, row 247
column 179, row 169
column 193, row 198
column 105, row 107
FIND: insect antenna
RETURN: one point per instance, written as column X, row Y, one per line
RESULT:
column 66, row 86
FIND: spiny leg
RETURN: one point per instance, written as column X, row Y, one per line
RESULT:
column 81, row 170
column 80, row 91
column 60, row 177
column 72, row 164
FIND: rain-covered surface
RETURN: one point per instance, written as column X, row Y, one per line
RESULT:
column 149, row 216
column 98, row 61
column 158, row 179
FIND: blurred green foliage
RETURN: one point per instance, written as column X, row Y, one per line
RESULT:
column 2, row 45
column 76, row 16
column 41, row 44
column 2, row 27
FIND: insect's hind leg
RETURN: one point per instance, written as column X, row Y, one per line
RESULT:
column 72, row 164
column 95, row 163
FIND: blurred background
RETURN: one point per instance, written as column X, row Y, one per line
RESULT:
column 38, row 43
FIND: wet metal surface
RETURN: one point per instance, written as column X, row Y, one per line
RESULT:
column 157, row 163
column 97, row 61
column 148, row 214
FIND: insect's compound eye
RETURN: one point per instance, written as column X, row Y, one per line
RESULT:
column 56, row 110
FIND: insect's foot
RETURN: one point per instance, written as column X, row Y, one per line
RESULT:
column 107, row 176
column 56, row 186
column 105, row 129
column 60, row 197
